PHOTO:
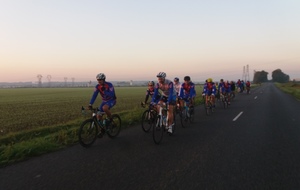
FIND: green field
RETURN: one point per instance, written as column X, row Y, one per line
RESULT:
column 38, row 120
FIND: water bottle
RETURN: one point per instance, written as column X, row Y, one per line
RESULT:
column 104, row 122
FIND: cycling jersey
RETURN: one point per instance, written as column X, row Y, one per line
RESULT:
column 150, row 92
column 167, row 90
column 187, row 90
column 177, row 88
column 106, row 91
column 209, row 88
column 224, row 87
column 248, row 84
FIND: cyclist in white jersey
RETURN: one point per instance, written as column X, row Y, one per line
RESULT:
column 168, row 93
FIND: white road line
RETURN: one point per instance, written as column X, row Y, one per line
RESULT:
column 237, row 116
column 255, row 97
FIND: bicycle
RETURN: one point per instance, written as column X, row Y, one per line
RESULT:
column 248, row 89
column 187, row 114
column 148, row 117
column 161, row 123
column 209, row 109
column 224, row 100
column 92, row 128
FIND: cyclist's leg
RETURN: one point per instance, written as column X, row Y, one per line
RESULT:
column 106, row 108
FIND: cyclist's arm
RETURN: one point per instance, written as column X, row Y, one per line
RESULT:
column 147, row 96
column 171, row 91
column 94, row 96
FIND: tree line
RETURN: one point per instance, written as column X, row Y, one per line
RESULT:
column 277, row 76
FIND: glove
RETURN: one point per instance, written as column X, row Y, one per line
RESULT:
column 203, row 94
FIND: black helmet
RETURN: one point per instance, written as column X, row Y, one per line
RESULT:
column 187, row 78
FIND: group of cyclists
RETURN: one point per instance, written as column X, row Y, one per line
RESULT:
column 173, row 93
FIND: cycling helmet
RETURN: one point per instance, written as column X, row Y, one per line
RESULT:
column 161, row 74
column 209, row 80
column 100, row 76
column 176, row 79
column 187, row 78
column 151, row 83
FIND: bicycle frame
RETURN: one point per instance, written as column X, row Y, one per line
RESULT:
column 162, row 108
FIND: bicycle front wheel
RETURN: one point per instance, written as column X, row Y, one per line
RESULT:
column 158, row 131
column 87, row 133
column 147, row 120
column 115, row 126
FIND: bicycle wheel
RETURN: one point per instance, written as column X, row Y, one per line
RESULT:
column 147, row 120
column 183, row 118
column 192, row 115
column 158, row 131
column 115, row 126
column 174, row 123
column 225, row 104
column 87, row 133
column 208, row 108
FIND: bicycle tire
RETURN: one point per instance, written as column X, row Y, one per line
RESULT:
column 183, row 118
column 115, row 126
column 158, row 131
column 192, row 116
column 174, row 123
column 147, row 120
column 208, row 108
column 87, row 133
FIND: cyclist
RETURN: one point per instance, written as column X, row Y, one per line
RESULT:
column 209, row 90
column 248, row 84
column 177, row 86
column 187, row 92
column 166, row 87
column 150, row 92
column 225, row 89
column 107, row 92
column 232, row 85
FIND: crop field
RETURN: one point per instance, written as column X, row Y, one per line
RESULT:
column 24, row 109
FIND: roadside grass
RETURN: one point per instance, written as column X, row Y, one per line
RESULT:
column 43, row 120
column 292, row 88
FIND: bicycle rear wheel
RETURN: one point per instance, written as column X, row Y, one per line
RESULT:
column 192, row 117
column 158, row 131
column 115, row 126
column 147, row 120
column 87, row 133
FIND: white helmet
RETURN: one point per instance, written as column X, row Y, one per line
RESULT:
column 161, row 74
column 101, row 76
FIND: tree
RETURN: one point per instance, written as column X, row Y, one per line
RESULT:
column 260, row 76
column 279, row 76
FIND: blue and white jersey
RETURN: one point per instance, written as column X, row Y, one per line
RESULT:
column 167, row 89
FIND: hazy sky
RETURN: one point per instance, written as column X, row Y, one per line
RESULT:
column 136, row 39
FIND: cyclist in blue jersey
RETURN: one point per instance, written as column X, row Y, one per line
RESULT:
column 150, row 93
column 168, row 92
column 209, row 89
column 107, row 92
column 225, row 89
column 187, row 92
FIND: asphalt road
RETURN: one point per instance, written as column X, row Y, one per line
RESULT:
column 254, row 144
